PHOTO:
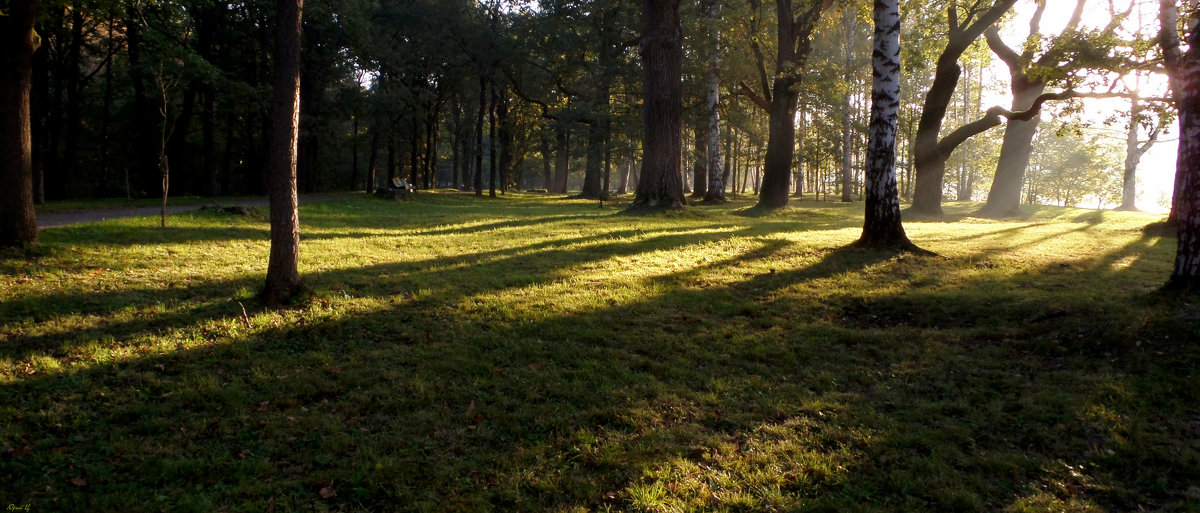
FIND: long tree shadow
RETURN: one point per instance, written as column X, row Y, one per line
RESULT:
column 737, row 395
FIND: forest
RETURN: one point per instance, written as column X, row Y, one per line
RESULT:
column 600, row 255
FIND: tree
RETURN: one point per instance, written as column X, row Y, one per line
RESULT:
column 283, row 275
column 1068, row 59
column 18, row 222
column 778, row 97
column 712, row 103
column 1183, row 69
column 882, row 227
column 1135, row 148
column 660, row 184
column 929, row 152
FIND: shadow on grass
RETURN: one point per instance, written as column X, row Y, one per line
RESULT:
column 731, row 397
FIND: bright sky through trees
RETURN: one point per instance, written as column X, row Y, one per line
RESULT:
column 1156, row 172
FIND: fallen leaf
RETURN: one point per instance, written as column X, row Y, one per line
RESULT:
column 78, row 481
column 327, row 491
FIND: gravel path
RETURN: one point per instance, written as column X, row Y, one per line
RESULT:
column 88, row 216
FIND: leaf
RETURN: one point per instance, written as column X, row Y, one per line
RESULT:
column 78, row 481
column 327, row 492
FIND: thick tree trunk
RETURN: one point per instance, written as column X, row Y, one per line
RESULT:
column 18, row 222
column 928, row 158
column 661, row 184
column 930, row 162
column 1005, row 196
column 283, row 274
column 795, row 46
column 1184, row 72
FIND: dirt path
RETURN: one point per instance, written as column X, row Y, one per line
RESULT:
column 87, row 216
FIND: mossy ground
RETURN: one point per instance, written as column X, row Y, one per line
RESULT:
column 540, row 354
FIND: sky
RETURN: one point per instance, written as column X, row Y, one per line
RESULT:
column 1156, row 172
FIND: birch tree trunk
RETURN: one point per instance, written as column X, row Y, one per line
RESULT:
column 283, row 274
column 882, row 226
column 712, row 103
column 1184, row 72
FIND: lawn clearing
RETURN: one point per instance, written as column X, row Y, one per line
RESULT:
column 540, row 354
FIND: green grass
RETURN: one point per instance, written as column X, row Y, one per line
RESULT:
column 540, row 354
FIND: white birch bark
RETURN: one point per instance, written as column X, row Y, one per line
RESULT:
column 712, row 101
column 882, row 226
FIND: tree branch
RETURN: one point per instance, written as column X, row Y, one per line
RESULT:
column 992, row 118
column 755, row 98
column 1002, row 50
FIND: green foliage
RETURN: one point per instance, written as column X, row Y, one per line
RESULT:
column 541, row 354
column 1069, row 166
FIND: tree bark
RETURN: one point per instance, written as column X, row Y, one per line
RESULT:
column 562, row 159
column 882, row 226
column 661, row 184
column 929, row 159
column 715, row 189
column 18, row 222
column 371, row 159
column 849, row 22
column 283, row 275
column 479, row 133
column 1184, row 72
column 715, row 192
column 700, row 165
column 1004, row 198
column 795, row 46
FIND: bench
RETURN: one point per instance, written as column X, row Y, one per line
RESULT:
column 398, row 189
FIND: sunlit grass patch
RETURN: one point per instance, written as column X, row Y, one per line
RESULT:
column 538, row 353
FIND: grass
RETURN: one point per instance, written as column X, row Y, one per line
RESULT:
column 540, row 354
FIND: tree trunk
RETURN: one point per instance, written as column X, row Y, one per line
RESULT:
column 371, row 159
column 562, row 159
column 1133, row 155
column 479, row 133
column 354, row 154
column 283, row 275
column 700, row 165
column 928, row 158
column 849, row 22
column 661, row 184
column 795, row 46
column 547, row 168
column 882, row 226
column 18, row 222
column 715, row 192
column 1005, row 196
column 1184, row 72
column 492, row 142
